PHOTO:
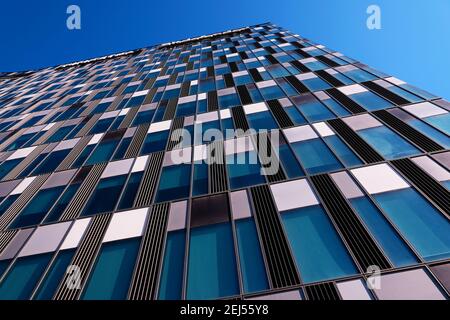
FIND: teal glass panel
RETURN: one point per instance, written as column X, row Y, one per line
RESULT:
column 389, row 144
column 103, row 152
column 7, row 203
column 4, row 264
column 62, row 203
column 51, row 162
column 7, row 166
column 317, row 248
column 155, row 142
column 315, row 156
column 244, row 169
column 200, row 179
column 431, row 132
column 130, row 190
column 171, row 283
column 345, row 154
column 314, row 110
column 112, row 272
column 23, row 276
column 336, row 107
column 441, row 122
column 174, row 183
column 253, row 271
column 55, row 274
column 393, row 245
column 290, row 163
column 316, row 84
column 212, row 269
column 370, row 101
column 419, row 222
column 37, row 208
column 83, row 156
column 262, row 121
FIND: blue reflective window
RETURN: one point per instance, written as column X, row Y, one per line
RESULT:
column 7, row 203
column 62, row 203
column 4, row 264
column 244, row 169
column 317, row 248
column 345, row 154
column 254, row 275
column 37, row 208
column 422, row 93
column 370, row 101
column 122, row 149
column 186, row 109
column 359, row 75
column 171, row 283
column 314, row 110
column 315, row 156
column 405, row 94
column 7, row 166
column 60, row 134
column 143, row 117
column 200, row 179
column 431, row 132
column 273, row 92
column 51, row 162
column 19, row 142
column 441, row 122
column 262, row 121
column 393, row 245
column 295, row 115
column 105, row 196
column 388, row 143
column 48, row 287
column 316, row 84
column 23, row 276
column 200, row 129
column 419, row 222
column 83, row 156
column 101, row 126
column 111, row 276
column 103, row 152
column 127, row 199
column 212, row 269
column 155, row 142
column 336, row 107
column 174, row 182
column 228, row 101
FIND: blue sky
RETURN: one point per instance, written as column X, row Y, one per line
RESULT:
column 412, row 45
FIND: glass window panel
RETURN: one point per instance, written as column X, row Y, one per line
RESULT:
column 244, row 169
column 155, row 142
column 345, row 154
column 174, row 182
column 370, row 101
column 441, row 122
column 130, row 190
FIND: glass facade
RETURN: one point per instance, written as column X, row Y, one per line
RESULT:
column 252, row 163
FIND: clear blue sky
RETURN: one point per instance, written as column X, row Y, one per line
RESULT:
column 413, row 45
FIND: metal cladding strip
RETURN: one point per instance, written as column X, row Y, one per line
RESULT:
column 329, row 78
column 213, row 103
column 297, row 84
column 84, row 258
column 244, row 95
column 24, row 163
column 73, row 154
column 170, row 109
column 361, row 147
column 430, row 187
column 416, row 137
column 357, row 237
column 144, row 196
column 322, row 292
column 385, row 93
column 216, row 170
column 176, row 134
column 267, row 155
column 92, row 121
column 21, row 201
column 12, row 138
column 75, row 206
column 136, row 142
column 282, row 270
column 239, row 119
column 126, row 122
column 5, row 238
column 327, row 61
column 144, row 284
column 280, row 115
column 348, row 103
column 149, row 97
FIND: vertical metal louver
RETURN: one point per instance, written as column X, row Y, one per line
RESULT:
column 280, row 115
column 357, row 237
column 244, row 95
column 144, row 284
column 74, row 153
column 88, row 126
column 11, row 213
column 282, row 270
column 128, row 118
column 5, row 238
column 239, row 119
column 297, row 84
column 433, row 189
column 213, row 103
column 216, row 169
column 84, row 258
column 327, row 61
column 361, row 147
column 75, row 206
column 269, row 159
column 170, row 109
column 184, row 91
column 229, row 82
column 348, row 103
column 149, row 182
column 329, row 78
column 300, row 66
column 136, row 142
column 322, row 292
column 385, row 93
column 255, row 75
column 416, row 137
column 175, row 134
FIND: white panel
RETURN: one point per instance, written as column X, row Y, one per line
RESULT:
column 177, row 156
column 177, row 216
column 95, row 139
column 21, row 153
column 239, row 145
column 75, row 234
column 323, row 129
column 117, row 168
column 363, row 121
column 300, row 134
column 353, row 290
column 346, row 184
column 139, row 164
column 225, row 114
column 160, row 126
column 23, row 185
column 127, row 224
column 379, row 178
column 432, row 168
column 206, row 117
column 254, row 108
column 240, row 205
column 396, row 81
column 306, row 76
column 200, row 152
column 424, row 109
column 352, row 89
column 293, row 194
